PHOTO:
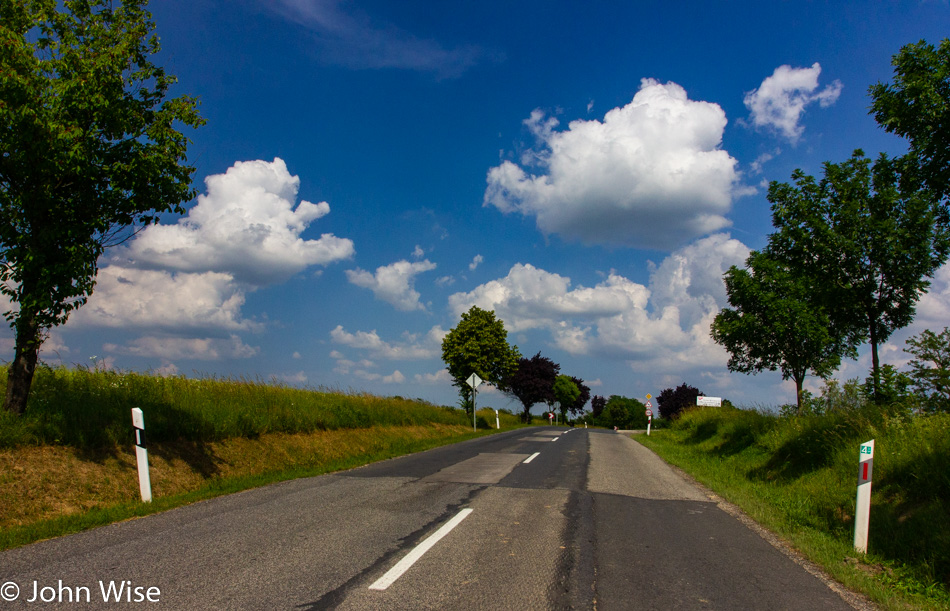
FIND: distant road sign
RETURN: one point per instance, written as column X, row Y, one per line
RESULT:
column 649, row 405
column 473, row 380
column 649, row 413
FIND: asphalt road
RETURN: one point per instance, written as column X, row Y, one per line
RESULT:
column 592, row 521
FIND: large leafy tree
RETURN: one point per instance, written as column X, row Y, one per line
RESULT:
column 533, row 382
column 917, row 106
column 566, row 393
column 775, row 323
column 869, row 241
column 479, row 344
column 89, row 148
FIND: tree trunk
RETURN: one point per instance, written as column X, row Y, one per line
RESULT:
column 799, row 381
column 875, row 366
column 20, row 372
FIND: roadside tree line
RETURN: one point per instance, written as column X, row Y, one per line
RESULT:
column 479, row 344
column 854, row 249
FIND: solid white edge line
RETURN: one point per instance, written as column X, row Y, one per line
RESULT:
column 555, row 439
column 530, row 458
column 403, row 565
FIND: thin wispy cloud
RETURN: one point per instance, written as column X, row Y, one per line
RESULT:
column 347, row 36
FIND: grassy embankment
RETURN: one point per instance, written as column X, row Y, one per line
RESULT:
column 68, row 464
column 797, row 476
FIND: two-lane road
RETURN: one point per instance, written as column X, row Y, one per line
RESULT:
column 539, row 518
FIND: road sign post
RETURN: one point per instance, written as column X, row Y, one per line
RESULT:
column 649, row 414
column 473, row 381
column 141, row 455
column 862, row 512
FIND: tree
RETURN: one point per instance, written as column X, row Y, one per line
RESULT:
column 623, row 413
column 774, row 323
column 672, row 401
column 597, row 406
column 917, row 107
column 89, row 151
column 533, row 382
column 582, row 398
column 479, row 344
column 868, row 241
column 930, row 368
column 566, row 393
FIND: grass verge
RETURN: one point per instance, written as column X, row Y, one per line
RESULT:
column 67, row 463
column 50, row 491
column 796, row 476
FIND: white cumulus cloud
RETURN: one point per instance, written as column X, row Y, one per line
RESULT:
column 246, row 225
column 137, row 298
column 651, row 174
column 393, row 283
column 778, row 103
column 667, row 323
column 190, row 279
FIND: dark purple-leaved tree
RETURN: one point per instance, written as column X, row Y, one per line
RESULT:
column 672, row 401
column 597, row 405
column 533, row 382
column 577, row 407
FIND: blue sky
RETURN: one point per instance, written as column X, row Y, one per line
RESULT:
column 369, row 170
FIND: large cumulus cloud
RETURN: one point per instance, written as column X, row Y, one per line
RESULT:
column 183, row 285
column 665, row 324
column 651, row 174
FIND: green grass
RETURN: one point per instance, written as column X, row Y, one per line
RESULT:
column 798, row 475
column 68, row 462
column 386, row 443
column 84, row 408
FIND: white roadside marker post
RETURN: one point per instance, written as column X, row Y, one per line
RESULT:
column 862, row 512
column 497, row 421
column 141, row 455
column 649, row 413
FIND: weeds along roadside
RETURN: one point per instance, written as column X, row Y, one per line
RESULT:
column 797, row 476
column 68, row 463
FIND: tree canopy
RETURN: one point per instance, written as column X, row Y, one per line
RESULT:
column 582, row 398
column 775, row 323
column 624, row 413
column 917, row 106
column 88, row 148
column 671, row 401
column 532, row 382
column 479, row 344
column 566, row 393
column 868, row 241
column 597, row 405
